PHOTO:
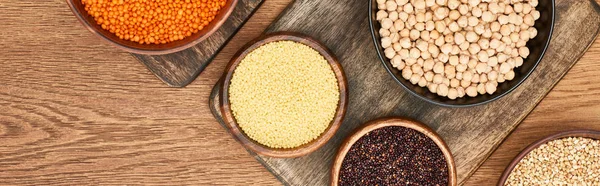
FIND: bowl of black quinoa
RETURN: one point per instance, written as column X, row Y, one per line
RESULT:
column 394, row 151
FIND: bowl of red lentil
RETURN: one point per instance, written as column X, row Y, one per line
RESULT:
column 151, row 27
column 284, row 95
column 393, row 151
column 565, row 158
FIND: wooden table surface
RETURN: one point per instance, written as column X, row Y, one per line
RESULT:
column 76, row 111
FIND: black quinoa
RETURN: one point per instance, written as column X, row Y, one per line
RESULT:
column 394, row 156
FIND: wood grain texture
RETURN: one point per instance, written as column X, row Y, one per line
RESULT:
column 236, row 131
column 181, row 68
column 76, row 111
column 471, row 133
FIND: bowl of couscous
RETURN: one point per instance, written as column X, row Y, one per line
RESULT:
column 152, row 27
column 283, row 95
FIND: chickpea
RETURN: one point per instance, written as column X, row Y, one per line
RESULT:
column 536, row 14
column 518, row 62
column 482, row 78
column 422, row 82
column 472, row 64
column 487, row 16
column 465, row 83
column 463, row 22
column 477, row 12
column 387, row 23
column 532, row 32
column 419, row 4
column 384, row 32
column 459, row 38
column 500, row 78
column 432, row 88
column 481, row 68
column 415, row 53
column 429, row 3
column 414, row 34
column 408, row 8
column 406, row 73
column 440, row 41
column 524, row 52
column 505, row 68
column 452, row 93
column 510, row 75
column 453, row 27
column 454, row 83
column 393, row 15
column 386, row 42
column 474, row 49
column 490, row 87
column 454, row 15
column 420, row 26
column 481, row 88
column 426, row 36
column 527, row 9
column 464, row 46
column 455, row 50
column 473, row 21
column 429, row 76
column 467, row 76
column 389, row 53
column 414, row 79
column 461, row 92
column 508, row 10
column 391, row 6
column 442, row 90
column 429, row 25
column 441, row 12
column 483, row 56
column 494, row 8
column 471, row 91
column 383, row 14
column 403, row 16
column 453, row 60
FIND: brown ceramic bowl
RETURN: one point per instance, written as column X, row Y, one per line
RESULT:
column 252, row 145
column 392, row 122
column 151, row 49
column 575, row 133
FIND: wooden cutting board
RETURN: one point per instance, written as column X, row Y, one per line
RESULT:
column 181, row 68
column 471, row 133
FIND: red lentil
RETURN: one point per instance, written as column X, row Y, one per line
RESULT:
column 153, row 21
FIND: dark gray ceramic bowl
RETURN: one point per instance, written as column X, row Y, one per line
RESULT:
column 537, row 46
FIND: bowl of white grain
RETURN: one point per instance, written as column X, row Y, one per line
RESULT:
column 461, row 53
column 566, row 158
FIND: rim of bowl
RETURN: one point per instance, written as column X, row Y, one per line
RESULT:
column 412, row 92
column 593, row 134
column 219, row 20
column 284, row 152
column 392, row 122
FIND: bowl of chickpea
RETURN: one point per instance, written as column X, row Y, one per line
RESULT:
column 461, row 53
column 152, row 27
